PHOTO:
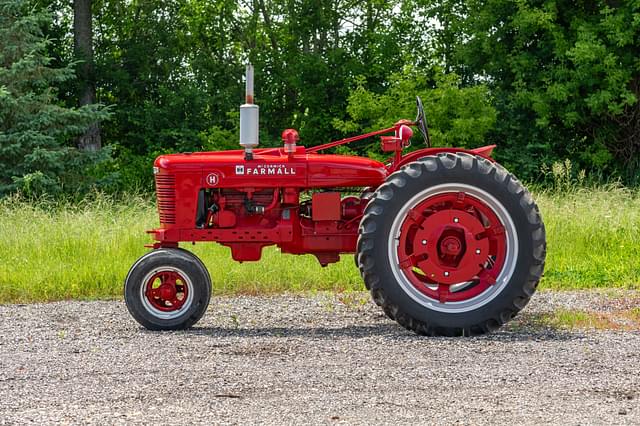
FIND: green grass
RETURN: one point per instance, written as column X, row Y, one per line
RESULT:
column 627, row 319
column 52, row 252
column 56, row 251
column 593, row 238
column 574, row 319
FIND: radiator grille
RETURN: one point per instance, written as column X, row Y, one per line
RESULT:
column 166, row 195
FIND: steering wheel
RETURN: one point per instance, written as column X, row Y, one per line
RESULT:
column 421, row 122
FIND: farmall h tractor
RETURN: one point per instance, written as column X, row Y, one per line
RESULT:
column 448, row 242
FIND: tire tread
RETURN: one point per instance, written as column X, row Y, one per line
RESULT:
column 436, row 165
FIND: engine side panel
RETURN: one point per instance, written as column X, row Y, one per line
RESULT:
column 249, row 204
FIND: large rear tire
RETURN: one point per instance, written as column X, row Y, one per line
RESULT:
column 167, row 289
column 451, row 245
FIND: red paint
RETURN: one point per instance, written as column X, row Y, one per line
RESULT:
column 166, row 291
column 447, row 239
column 484, row 151
column 326, row 206
column 254, row 203
column 451, row 245
column 212, row 179
column 290, row 136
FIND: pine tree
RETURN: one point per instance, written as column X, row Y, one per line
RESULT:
column 36, row 130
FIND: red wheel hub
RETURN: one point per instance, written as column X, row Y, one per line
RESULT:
column 166, row 291
column 451, row 246
column 451, row 239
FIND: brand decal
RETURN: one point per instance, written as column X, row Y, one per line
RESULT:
column 212, row 179
column 266, row 170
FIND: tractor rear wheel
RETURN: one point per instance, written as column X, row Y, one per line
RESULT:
column 167, row 289
column 451, row 245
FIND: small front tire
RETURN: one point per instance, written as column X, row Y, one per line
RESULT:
column 167, row 289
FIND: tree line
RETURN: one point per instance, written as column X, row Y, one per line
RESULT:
column 92, row 90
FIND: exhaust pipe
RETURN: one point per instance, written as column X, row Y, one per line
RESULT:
column 249, row 114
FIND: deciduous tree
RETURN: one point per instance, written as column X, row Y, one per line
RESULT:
column 90, row 140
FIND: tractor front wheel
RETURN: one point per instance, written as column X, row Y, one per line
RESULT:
column 167, row 289
column 450, row 245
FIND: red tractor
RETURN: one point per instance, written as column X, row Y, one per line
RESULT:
column 447, row 241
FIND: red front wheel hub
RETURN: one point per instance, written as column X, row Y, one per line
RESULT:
column 452, row 246
column 166, row 291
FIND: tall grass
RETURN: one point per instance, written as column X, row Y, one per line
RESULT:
column 593, row 237
column 62, row 250
column 51, row 251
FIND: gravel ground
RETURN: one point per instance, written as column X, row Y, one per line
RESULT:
column 310, row 359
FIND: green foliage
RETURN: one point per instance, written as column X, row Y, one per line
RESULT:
column 179, row 88
column 545, row 80
column 35, row 129
column 89, row 247
column 592, row 236
column 457, row 116
column 565, row 75
column 562, row 177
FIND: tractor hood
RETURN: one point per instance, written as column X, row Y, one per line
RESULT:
column 272, row 167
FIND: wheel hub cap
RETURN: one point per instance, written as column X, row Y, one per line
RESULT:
column 166, row 291
column 451, row 239
column 450, row 246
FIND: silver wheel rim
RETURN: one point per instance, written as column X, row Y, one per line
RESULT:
column 501, row 281
column 164, row 314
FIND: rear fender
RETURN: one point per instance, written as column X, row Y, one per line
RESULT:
column 484, row 151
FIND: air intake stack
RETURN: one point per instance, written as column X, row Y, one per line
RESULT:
column 249, row 113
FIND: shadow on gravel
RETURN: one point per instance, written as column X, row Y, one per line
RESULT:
column 356, row 331
column 390, row 331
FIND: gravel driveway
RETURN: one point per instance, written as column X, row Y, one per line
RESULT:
column 309, row 359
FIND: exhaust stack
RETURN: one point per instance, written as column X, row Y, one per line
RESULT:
column 249, row 113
